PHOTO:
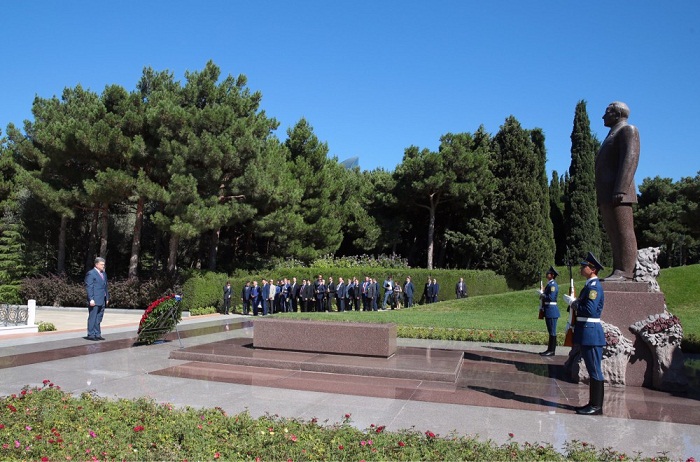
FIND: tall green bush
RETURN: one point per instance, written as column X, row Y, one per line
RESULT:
column 202, row 289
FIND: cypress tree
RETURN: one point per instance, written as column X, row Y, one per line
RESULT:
column 556, row 211
column 522, row 204
column 581, row 210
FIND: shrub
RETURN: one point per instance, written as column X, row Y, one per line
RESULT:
column 203, row 289
column 204, row 310
column 54, row 290
column 46, row 326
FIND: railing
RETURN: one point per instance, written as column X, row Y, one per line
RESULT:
column 13, row 315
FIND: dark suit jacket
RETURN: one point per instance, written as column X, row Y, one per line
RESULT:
column 616, row 163
column 96, row 287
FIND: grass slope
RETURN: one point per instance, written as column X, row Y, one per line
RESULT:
column 517, row 311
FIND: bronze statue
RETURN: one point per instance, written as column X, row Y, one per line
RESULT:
column 615, row 165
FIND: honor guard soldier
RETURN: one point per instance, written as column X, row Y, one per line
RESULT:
column 588, row 333
column 548, row 299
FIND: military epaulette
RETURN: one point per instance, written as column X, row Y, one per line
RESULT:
column 593, row 283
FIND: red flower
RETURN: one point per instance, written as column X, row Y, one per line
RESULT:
column 430, row 434
column 138, row 428
column 511, row 435
column 2, row 426
column 341, row 447
column 216, row 455
column 380, row 428
column 11, row 408
column 44, row 459
column 402, row 444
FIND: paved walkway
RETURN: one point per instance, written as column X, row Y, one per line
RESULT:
column 637, row 421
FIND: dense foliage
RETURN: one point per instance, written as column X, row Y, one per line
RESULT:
column 191, row 175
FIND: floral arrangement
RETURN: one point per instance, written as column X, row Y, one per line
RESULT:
column 156, row 321
column 615, row 342
column 659, row 329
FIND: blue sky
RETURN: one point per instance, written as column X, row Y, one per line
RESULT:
column 374, row 77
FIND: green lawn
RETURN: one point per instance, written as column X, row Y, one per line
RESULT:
column 517, row 311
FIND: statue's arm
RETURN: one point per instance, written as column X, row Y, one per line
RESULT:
column 628, row 160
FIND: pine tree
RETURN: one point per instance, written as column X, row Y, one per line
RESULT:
column 581, row 211
column 323, row 185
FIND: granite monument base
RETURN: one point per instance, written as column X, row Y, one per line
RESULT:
column 352, row 338
column 625, row 304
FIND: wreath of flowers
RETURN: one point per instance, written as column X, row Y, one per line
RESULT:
column 155, row 322
column 615, row 342
column 660, row 329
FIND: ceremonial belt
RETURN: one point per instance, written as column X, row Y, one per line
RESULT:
column 550, row 303
column 587, row 319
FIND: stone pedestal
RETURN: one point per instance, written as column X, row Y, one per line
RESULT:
column 625, row 304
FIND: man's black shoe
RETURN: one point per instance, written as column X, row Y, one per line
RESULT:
column 90, row 337
column 100, row 338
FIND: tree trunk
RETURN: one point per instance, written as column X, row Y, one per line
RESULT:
column 213, row 249
column 136, row 241
column 61, row 260
column 431, row 234
column 104, row 229
column 172, row 256
column 92, row 238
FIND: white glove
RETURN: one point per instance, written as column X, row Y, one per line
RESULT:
column 569, row 299
column 539, row 292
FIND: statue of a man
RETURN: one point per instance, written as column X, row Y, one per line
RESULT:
column 615, row 166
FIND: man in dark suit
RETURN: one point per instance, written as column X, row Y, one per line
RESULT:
column 227, row 297
column 265, row 297
column 341, row 294
column 589, row 334
column 408, row 290
column 461, row 289
column 293, row 295
column 97, row 297
column 320, row 290
column 425, row 298
column 434, row 291
column 615, row 166
column 245, row 298
column 308, row 295
column 371, row 294
column 330, row 293
column 357, row 293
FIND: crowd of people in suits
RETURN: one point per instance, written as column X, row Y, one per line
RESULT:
column 321, row 295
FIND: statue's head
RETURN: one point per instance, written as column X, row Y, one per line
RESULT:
column 615, row 112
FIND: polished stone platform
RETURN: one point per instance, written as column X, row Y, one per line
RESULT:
column 409, row 363
column 499, row 377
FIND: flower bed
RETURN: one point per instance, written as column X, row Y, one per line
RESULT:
column 160, row 317
column 45, row 423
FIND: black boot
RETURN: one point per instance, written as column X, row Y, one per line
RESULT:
column 595, row 404
column 551, row 347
